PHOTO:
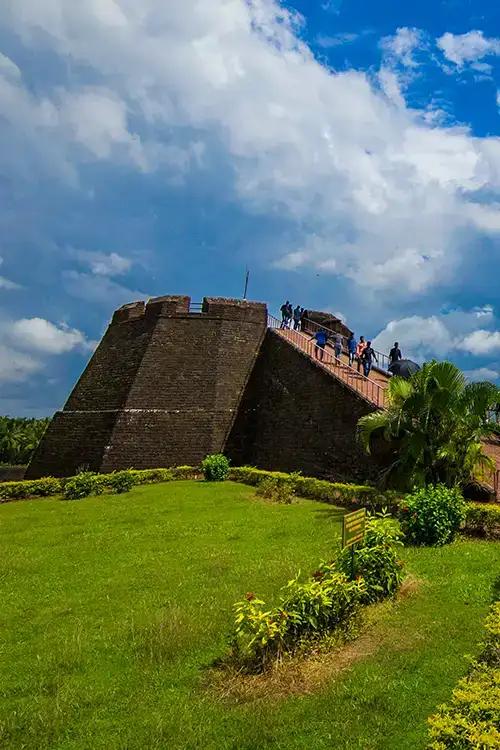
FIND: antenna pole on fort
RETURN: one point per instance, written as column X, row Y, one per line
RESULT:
column 247, row 276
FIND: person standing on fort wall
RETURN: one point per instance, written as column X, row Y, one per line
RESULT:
column 395, row 354
column 297, row 318
column 367, row 357
column 351, row 349
column 359, row 351
column 321, row 337
column 338, row 341
column 285, row 314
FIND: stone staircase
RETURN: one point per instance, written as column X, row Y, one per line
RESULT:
column 372, row 389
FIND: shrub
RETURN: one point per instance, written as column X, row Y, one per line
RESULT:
column 30, row 488
column 121, row 481
column 471, row 721
column 375, row 560
column 327, row 603
column 215, row 467
column 482, row 520
column 276, row 489
column 83, row 484
column 432, row 515
column 305, row 609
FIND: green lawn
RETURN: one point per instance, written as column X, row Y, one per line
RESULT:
column 113, row 607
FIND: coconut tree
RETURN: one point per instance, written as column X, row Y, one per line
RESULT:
column 434, row 422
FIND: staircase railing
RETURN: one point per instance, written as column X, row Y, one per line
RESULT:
column 355, row 380
column 383, row 359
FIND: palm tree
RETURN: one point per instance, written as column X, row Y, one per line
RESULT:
column 435, row 423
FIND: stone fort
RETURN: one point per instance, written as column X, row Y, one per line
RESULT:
column 172, row 381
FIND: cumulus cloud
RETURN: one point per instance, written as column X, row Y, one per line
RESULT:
column 104, row 264
column 7, row 283
column 467, row 48
column 400, row 47
column 26, row 343
column 40, row 335
column 454, row 332
column 482, row 373
column 372, row 182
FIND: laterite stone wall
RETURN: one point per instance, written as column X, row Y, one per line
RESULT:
column 295, row 416
column 162, row 388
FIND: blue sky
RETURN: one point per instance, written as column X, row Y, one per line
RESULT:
column 347, row 152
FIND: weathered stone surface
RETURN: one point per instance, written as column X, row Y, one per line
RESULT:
column 162, row 388
column 295, row 415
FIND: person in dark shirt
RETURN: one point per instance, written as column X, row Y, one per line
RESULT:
column 321, row 339
column 284, row 314
column 395, row 354
column 296, row 318
column 351, row 348
column 303, row 316
column 367, row 358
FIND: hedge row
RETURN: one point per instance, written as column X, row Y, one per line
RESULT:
column 472, row 718
column 55, row 486
column 319, row 489
column 482, row 519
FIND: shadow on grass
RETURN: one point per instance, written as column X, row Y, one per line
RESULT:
column 495, row 593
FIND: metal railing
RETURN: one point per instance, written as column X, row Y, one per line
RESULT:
column 196, row 307
column 355, row 380
column 383, row 359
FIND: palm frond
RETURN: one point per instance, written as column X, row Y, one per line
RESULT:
column 370, row 424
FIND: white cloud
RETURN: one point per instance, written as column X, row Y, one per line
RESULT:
column 340, row 160
column 454, row 332
column 26, row 343
column 7, row 283
column 481, row 342
column 16, row 366
column 40, row 335
column 103, row 264
column 482, row 373
column 401, row 47
column 467, row 48
column 8, row 68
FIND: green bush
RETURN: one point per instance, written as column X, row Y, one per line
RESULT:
column 215, row 467
column 471, row 721
column 327, row 603
column 375, row 560
column 82, row 485
column 121, row 481
column 30, row 488
column 276, row 489
column 482, row 519
column 305, row 609
column 432, row 515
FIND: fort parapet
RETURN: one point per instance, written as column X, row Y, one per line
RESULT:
column 162, row 388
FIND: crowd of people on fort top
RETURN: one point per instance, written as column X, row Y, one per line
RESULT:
column 359, row 352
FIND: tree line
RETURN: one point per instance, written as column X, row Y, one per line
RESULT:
column 19, row 437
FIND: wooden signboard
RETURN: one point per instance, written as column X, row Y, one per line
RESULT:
column 353, row 527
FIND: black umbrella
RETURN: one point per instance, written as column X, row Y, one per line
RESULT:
column 405, row 368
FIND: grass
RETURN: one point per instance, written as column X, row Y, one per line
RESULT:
column 114, row 607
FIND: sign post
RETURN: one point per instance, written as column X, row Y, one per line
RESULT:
column 353, row 531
